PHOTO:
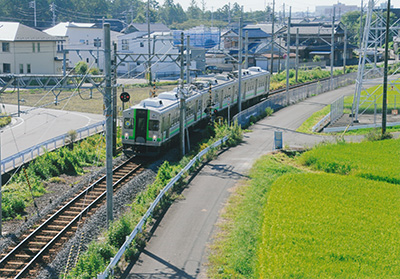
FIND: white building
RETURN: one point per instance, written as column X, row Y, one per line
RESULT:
column 161, row 43
column 83, row 41
column 25, row 50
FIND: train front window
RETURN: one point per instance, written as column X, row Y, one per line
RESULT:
column 128, row 123
column 154, row 125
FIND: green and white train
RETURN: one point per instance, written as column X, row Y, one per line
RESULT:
column 152, row 125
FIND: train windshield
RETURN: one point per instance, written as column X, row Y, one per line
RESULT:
column 154, row 125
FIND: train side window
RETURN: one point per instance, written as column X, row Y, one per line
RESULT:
column 128, row 123
column 154, row 125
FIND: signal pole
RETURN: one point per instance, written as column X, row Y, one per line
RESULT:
column 109, row 129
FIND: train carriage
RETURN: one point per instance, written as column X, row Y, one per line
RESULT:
column 152, row 124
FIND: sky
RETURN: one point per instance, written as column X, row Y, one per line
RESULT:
column 254, row 5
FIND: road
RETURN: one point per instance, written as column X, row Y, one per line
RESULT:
column 40, row 125
column 178, row 248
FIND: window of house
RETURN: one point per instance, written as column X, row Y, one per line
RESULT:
column 6, row 68
column 38, row 47
column 21, row 68
column 125, row 45
column 33, row 47
column 60, row 46
column 5, row 47
column 28, row 68
column 141, row 44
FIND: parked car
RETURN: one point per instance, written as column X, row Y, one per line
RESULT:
column 213, row 69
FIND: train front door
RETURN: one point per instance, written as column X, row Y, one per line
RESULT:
column 141, row 125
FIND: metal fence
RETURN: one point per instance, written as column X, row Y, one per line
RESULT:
column 26, row 155
column 337, row 109
column 139, row 226
column 295, row 95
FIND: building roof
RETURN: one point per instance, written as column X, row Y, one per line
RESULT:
column 266, row 27
column 61, row 29
column 142, row 27
column 15, row 31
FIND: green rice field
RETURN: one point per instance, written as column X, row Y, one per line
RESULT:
column 330, row 226
column 331, row 212
column 378, row 160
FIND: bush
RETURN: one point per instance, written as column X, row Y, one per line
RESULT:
column 269, row 111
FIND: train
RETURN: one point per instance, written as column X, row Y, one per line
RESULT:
column 154, row 123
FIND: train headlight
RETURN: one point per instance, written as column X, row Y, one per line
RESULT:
column 154, row 138
column 126, row 135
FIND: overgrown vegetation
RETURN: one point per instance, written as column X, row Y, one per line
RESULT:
column 16, row 194
column 279, row 80
column 96, row 258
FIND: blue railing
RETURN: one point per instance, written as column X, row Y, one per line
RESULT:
column 28, row 154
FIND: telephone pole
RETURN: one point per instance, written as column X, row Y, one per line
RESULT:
column 288, row 56
column 109, row 116
column 148, row 40
column 182, row 102
column 385, row 71
column 246, row 53
column 240, row 66
column 297, row 54
column 332, row 46
column 272, row 37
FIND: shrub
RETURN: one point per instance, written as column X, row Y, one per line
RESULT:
column 269, row 111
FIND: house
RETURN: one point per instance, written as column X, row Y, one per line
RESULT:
column 81, row 42
column 137, row 53
column 315, row 40
column 25, row 50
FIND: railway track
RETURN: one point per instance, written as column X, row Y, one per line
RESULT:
column 37, row 246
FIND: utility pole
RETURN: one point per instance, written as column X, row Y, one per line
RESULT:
column 188, row 59
column 19, row 99
column 108, row 114
column 53, row 9
column 385, row 72
column 148, row 40
column 345, row 49
column 288, row 56
column 1, row 185
column 32, row 4
column 182, row 102
column 114, row 99
column 240, row 66
column 332, row 46
column 279, row 54
column 246, row 53
column 272, row 37
column 297, row 54
column 361, row 23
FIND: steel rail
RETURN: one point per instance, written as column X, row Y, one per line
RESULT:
column 26, row 240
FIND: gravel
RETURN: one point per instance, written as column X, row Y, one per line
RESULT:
column 92, row 227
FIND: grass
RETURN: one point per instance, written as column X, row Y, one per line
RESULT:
column 4, row 120
column 328, row 226
column 81, row 100
column 393, row 99
column 307, row 125
column 234, row 254
column 330, row 212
